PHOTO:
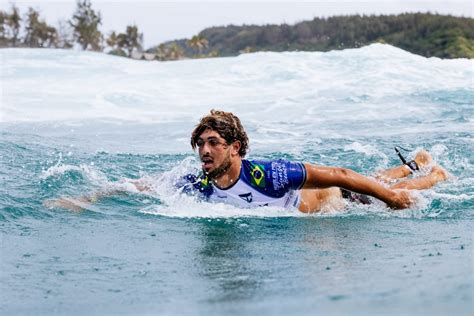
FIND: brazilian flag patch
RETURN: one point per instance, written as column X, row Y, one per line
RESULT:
column 258, row 176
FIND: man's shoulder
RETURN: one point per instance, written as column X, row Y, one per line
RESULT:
column 269, row 164
column 273, row 175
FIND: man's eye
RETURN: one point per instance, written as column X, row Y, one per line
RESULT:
column 200, row 143
column 213, row 142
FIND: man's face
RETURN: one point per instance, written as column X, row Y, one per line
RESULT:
column 214, row 152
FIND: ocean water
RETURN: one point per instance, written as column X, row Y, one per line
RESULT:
column 76, row 122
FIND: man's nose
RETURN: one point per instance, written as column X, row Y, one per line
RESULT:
column 205, row 148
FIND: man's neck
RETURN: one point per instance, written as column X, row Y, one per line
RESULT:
column 231, row 176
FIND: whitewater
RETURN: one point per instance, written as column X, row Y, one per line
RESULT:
column 72, row 123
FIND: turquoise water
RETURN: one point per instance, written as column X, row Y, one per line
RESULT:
column 76, row 122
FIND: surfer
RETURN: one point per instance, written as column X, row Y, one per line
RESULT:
column 222, row 144
column 227, row 176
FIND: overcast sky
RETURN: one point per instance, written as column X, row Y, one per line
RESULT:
column 161, row 21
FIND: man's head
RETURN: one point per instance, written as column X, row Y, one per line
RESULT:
column 221, row 140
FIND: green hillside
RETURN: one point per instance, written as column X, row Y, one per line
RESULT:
column 425, row 34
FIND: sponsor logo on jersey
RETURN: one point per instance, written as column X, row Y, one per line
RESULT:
column 247, row 197
column 279, row 176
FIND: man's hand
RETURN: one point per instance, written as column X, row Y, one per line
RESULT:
column 401, row 199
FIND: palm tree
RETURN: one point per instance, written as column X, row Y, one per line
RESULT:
column 85, row 23
column 3, row 18
column 198, row 43
column 37, row 32
column 134, row 39
column 161, row 52
column 112, row 40
column 175, row 52
column 13, row 21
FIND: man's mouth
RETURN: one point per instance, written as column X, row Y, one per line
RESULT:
column 207, row 162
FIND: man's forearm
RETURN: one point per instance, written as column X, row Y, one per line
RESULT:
column 324, row 177
column 356, row 182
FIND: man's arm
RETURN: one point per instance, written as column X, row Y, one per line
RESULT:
column 320, row 177
column 80, row 203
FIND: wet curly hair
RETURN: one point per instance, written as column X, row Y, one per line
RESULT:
column 227, row 125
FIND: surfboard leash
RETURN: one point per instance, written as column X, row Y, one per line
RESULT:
column 411, row 164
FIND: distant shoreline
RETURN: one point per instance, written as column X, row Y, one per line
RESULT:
column 425, row 34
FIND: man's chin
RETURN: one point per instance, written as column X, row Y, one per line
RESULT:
column 215, row 173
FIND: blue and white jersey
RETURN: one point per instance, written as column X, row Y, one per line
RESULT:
column 261, row 183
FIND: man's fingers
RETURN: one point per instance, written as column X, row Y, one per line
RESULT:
column 404, row 200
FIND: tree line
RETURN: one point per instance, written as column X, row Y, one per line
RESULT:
column 425, row 34
column 81, row 30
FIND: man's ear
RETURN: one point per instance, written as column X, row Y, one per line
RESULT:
column 236, row 147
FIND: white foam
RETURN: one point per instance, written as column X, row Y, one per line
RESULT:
column 367, row 149
column 60, row 85
column 93, row 174
column 452, row 197
column 438, row 150
column 190, row 208
column 57, row 170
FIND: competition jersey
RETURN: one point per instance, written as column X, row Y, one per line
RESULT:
column 261, row 183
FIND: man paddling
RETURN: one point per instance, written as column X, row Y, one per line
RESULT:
column 222, row 144
column 228, row 177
